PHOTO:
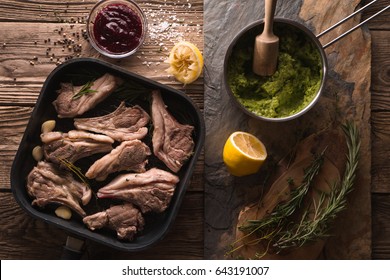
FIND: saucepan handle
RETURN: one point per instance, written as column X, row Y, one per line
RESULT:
column 353, row 28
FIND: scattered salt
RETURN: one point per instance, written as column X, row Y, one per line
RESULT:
column 166, row 27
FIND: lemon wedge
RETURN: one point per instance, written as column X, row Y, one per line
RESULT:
column 243, row 154
column 185, row 62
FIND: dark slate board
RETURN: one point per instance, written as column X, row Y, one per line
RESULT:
column 346, row 97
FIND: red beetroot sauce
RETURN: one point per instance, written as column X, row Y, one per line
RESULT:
column 117, row 29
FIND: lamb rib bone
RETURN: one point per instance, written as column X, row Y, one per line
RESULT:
column 129, row 155
column 73, row 145
column 150, row 191
column 125, row 123
column 172, row 141
column 48, row 184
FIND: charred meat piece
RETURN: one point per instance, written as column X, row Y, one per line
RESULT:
column 73, row 145
column 125, row 219
column 76, row 100
column 129, row 155
column 150, row 191
column 125, row 123
column 47, row 184
column 172, row 141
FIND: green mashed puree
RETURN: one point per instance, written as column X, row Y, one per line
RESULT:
column 292, row 87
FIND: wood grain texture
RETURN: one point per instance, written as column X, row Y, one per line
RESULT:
column 381, row 226
column 75, row 10
column 380, row 120
column 13, row 121
column 31, row 46
column 380, row 111
column 380, row 22
column 22, row 23
column 26, row 60
column 23, row 237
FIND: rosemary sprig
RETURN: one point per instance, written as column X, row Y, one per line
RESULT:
column 278, row 232
column 315, row 227
column 76, row 170
column 85, row 89
column 279, row 215
column 268, row 228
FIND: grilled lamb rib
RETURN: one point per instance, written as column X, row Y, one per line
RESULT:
column 70, row 102
column 47, row 184
column 129, row 155
column 150, row 191
column 125, row 123
column 172, row 141
column 125, row 219
column 73, row 145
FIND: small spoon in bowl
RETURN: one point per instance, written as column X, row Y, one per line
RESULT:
column 266, row 44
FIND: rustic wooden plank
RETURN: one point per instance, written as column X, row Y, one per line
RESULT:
column 380, row 118
column 28, row 57
column 13, row 121
column 381, row 226
column 380, row 101
column 197, row 180
column 31, row 51
column 74, row 10
column 380, row 22
column 380, row 111
column 23, row 237
column 43, row 11
column 380, row 152
column 380, row 62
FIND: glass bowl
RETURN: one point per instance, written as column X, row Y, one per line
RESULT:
column 116, row 28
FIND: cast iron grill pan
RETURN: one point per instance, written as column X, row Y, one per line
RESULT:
column 80, row 71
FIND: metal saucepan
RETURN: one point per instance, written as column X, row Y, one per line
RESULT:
column 256, row 27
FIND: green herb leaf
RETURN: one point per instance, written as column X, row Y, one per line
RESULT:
column 76, row 170
column 276, row 230
column 85, row 89
column 329, row 205
column 279, row 215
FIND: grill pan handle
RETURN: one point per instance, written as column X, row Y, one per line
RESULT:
column 73, row 249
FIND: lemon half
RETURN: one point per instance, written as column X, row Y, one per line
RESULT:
column 185, row 62
column 243, row 154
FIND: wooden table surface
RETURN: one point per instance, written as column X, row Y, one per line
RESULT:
column 31, row 36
